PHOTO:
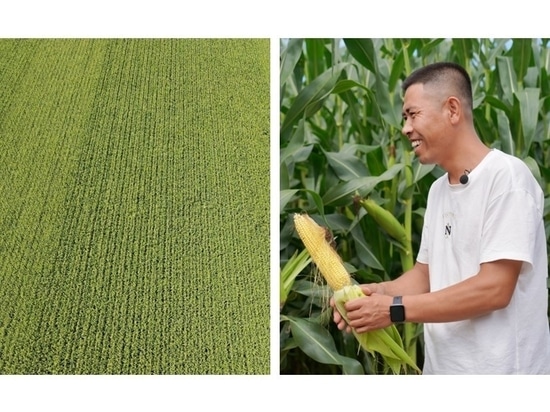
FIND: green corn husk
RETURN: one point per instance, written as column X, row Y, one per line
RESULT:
column 386, row 220
column 387, row 342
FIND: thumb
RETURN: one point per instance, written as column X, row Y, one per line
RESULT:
column 366, row 290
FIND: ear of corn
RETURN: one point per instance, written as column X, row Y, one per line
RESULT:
column 322, row 253
column 387, row 342
column 386, row 220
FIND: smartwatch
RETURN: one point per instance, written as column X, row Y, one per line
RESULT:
column 397, row 310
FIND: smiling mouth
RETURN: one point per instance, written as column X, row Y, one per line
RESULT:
column 416, row 143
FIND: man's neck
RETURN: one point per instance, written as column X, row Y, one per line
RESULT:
column 465, row 159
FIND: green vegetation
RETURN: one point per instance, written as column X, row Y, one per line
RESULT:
column 341, row 144
column 134, row 212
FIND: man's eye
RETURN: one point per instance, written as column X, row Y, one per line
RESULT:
column 409, row 114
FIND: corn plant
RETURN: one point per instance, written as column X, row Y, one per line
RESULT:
column 344, row 161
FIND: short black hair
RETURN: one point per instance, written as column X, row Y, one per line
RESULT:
column 443, row 72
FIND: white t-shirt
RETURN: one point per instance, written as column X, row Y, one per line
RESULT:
column 496, row 215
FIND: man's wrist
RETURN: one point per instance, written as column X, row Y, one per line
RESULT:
column 397, row 310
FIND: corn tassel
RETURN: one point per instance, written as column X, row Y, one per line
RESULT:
column 387, row 342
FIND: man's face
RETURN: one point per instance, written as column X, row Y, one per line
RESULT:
column 424, row 123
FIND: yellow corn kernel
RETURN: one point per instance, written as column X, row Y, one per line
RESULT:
column 322, row 253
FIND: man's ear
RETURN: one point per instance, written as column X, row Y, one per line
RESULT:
column 454, row 108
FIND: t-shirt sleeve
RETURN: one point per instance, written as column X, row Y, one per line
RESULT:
column 510, row 228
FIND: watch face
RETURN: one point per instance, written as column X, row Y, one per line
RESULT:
column 397, row 313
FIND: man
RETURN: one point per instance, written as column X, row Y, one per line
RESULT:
column 479, row 282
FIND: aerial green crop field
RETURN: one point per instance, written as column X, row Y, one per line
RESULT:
column 134, row 206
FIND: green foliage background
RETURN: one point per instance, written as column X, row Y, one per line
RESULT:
column 134, row 181
column 340, row 141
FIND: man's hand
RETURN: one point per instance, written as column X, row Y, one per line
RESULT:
column 368, row 290
column 369, row 313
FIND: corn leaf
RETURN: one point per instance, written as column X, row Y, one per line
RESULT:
column 364, row 252
column 312, row 96
column 285, row 197
column 506, row 139
column 317, row 343
column 521, row 54
column 529, row 111
column 508, row 78
column 347, row 166
column 363, row 51
column 289, row 58
column 290, row 271
column 342, row 193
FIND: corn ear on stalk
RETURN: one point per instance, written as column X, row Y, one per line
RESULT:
column 387, row 342
column 386, row 220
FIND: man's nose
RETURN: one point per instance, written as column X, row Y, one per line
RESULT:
column 407, row 129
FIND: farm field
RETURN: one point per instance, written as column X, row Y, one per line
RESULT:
column 134, row 215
